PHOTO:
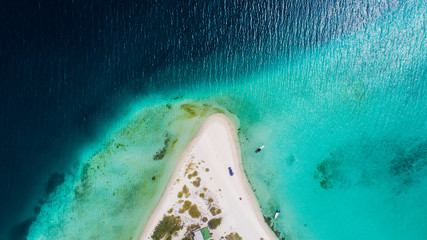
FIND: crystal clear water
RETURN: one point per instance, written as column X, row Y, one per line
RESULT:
column 338, row 99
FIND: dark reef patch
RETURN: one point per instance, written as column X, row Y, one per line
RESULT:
column 37, row 210
column 82, row 187
column 217, row 110
column 120, row 145
column 53, row 182
column 20, row 231
column 290, row 159
column 193, row 110
column 408, row 162
column 327, row 172
column 161, row 153
column 177, row 97
column 399, row 161
column 190, row 109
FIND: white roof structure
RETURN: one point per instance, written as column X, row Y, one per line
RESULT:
column 198, row 235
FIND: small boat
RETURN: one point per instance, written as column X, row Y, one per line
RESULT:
column 277, row 213
column 259, row 149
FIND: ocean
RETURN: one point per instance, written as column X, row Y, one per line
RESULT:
column 99, row 99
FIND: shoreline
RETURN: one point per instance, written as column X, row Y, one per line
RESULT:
column 239, row 198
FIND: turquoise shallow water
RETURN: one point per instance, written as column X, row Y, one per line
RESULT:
column 344, row 125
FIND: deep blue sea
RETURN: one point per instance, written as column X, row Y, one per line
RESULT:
column 335, row 90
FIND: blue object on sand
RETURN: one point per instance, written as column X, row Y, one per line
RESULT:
column 230, row 171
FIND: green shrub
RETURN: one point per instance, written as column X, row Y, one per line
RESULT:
column 194, row 211
column 233, row 236
column 192, row 174
column 167, row 227
column 185, row 206
column 214, row 223
column 185, row 189
column 215, row 211
column 196, row 182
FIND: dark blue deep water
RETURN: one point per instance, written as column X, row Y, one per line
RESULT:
column 69, row 69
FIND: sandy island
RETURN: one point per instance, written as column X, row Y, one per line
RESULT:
column 202, row 192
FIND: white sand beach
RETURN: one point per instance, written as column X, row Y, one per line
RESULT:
column 204, row 171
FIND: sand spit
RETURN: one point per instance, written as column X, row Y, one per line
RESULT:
column 202, row 192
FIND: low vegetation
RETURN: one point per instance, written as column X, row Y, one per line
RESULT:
column 214, row 223
column 189, row 167
column 184, row 191
column 194, row 211
column 233, row 236
column 185, row 206
column 167, row 227
column 196, row 182
column 194, row 174
column 215, row 211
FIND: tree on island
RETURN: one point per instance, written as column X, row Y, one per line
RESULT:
column 214, row 223
column 167, row 227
